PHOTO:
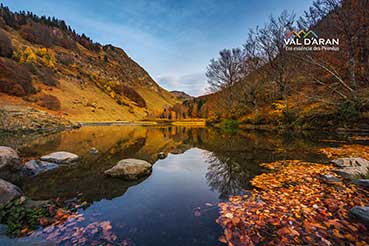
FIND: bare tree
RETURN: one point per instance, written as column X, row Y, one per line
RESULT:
column 223, row 73
column 350, row 20
column 270, row 54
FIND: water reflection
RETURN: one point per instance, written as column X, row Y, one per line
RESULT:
column 232, row 159
column 203, row 165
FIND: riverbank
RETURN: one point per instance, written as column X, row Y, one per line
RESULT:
column 189, row 122
column 27, row 119
column 30, row 120
column 358, row 127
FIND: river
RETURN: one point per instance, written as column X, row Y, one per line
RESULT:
column 176, row 205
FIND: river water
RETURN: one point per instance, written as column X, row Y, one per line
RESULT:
column 176, row 205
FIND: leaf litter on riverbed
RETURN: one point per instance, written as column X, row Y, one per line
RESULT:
column 293, row 205
column 71, row 233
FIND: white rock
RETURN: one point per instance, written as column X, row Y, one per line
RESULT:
column 61, row 157
column 352, row 167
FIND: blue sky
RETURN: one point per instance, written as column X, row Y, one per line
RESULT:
column 172, row 39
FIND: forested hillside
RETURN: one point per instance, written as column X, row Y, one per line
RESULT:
column 45, row 64
column 268, row 81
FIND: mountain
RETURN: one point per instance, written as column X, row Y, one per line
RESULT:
column 46, row 65
column 181, row 95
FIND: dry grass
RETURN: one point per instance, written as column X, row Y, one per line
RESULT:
column 80, row 99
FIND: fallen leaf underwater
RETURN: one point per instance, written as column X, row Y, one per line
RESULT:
column 293, row 205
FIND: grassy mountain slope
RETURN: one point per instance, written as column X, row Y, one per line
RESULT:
column 46, row 65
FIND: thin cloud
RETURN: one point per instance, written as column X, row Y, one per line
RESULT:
column 193, row 84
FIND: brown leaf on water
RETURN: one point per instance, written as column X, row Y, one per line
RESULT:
column 353, row 150
column 197, row 212
column 44, row 221
column 293, row 206
column 235, row 221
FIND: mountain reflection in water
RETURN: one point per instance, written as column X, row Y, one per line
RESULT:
column 203, row 166
column 233, row 158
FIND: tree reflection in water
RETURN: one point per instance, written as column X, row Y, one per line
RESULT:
column 225, row 175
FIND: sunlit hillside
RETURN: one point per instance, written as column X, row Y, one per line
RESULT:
column 46, row 65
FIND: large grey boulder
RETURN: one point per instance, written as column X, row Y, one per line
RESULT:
column 61, row 157
column 35, row 167
column 8, row 191
column 361, row 214
column 9, row 159
column 130, row 169
column 351, row 167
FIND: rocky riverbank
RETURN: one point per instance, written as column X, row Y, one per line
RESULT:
column 35, row 213
column 27, row 119
column 20, row 214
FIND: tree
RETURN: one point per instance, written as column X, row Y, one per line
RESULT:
column 350, row 22
column 226, row 70
column 270, row 52
column 223, row 74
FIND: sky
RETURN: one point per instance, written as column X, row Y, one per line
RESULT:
column 173, row 40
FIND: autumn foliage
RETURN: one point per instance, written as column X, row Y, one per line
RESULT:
column 354, row 150
column 294, row 205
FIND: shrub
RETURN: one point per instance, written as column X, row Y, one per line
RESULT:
column 17, row 215
column 278, row 106
column 260, row 119
column 65, row 59
column 49, row 102
column 289, row 116
column 15, row 79
column 231, row 124
column 46, row 76
column 47, row 57
column 6, row 47
column 25, row 56
column 348, row 110
column 131, row 94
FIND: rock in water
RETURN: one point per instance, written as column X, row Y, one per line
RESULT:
column 360, row 213
column 9, row 159
column 61, row 157
column 94, row 151
column 350, row 162
column 8, row 191
column 351, row 167
column 362, row 182
column 330, row 179
column 130, row 169
column 34, row 167
column 162, row 155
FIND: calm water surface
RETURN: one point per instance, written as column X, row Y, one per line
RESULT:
column 176, row 205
